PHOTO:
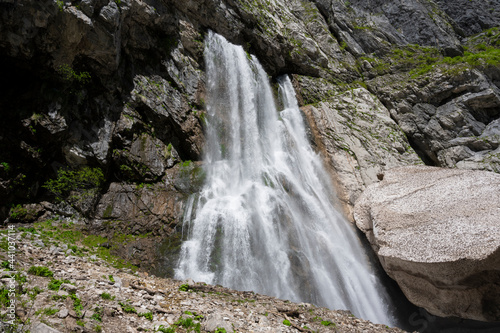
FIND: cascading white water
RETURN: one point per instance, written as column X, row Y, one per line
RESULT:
column 264, row 220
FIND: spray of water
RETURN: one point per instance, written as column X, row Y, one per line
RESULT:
column 264, row 220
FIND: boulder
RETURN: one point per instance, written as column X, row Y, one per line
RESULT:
column 437, row 233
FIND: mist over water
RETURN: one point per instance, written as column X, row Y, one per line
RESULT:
column 265, row 219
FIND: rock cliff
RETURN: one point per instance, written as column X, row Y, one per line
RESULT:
column 118, row 87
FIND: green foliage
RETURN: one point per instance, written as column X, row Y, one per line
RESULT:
column 127, row 308
column 189, row 324
column 111, row 278
column 147, row 315
column 33, row 293
column 77, row 305
column 40, row 271
column 6, row 166
column 80, row 322
column 97, row 316
column 49, row 311
column 55, row 284
column 287, row 322
column 4, row 297
column 327, row 323
column 60, row 5
column 69, row 180
column 20, row 278
column 220, row 330
column 184, row 287
column 18, row 213
column 76, row 187
column 107, row 296
column 5, row 265
column 98, row 328
column 68, row 74
column 164, row 329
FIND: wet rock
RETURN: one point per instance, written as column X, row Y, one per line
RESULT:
column 356, row 133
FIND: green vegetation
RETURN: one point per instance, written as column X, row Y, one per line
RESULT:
column 60, row 5
column 18, row 213
column 33, row 293
column 127, row 308
column 327, row 323
column 188, row 324
column 77, row 305
column 147, row 315
column 483, row 51
column 4, row 297
column 47, row 311
column 68, row 74
column 164, row 329
column 220, row 330
column 40, row 271
column 55, row 284
column 5, row 265
column 111, row 278
column 5, row 166
column 184, row 287
column 107, row 296
column 287, row 322
column 97, row 316
column 79, row 180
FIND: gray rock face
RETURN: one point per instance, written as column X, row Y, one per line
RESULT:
column 471, row 16
column 357, row 135
column 436, row 233
column 451, row 120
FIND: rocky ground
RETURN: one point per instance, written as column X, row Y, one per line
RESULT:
column 69, row 288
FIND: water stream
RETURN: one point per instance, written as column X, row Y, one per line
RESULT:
column 265, row 218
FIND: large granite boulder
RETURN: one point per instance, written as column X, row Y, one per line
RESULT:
column 437, row 233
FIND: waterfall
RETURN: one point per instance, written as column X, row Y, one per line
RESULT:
column 265, row 219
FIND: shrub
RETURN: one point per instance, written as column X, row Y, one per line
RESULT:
column 40, row 271
column 127, row 308
column 147, row 315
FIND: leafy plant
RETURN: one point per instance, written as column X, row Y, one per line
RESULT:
column 327, row 323
column 76, row 186
column 184, row 287
column 49, row 311
column 106, row 296
column 147, row 315
column 5, row 265
column 77, row 305
column 55, row 284
column 18, row 212
column 69, row 74
column 4, row 297
column 6, row 166
column 287, row 322
column 189, row 324
column 97, row 316
column 164, row 329
column 60, row 4
column 111, row 278
column 127, row 308
column 220, row 330
column 78, row 180
column 40, row 271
